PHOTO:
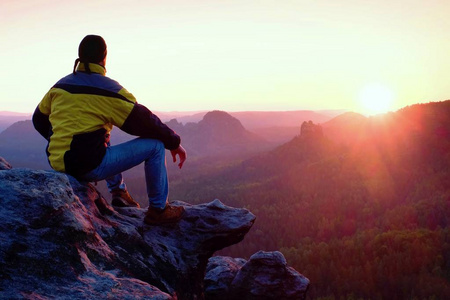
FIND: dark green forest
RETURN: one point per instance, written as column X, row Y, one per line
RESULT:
column 361, row 208
column 368, row 218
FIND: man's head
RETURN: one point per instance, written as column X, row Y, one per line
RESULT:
column 92, row 49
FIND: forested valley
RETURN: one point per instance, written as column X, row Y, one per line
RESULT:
column 363, row 212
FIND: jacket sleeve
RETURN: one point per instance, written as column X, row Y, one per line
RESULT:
column 142, row 122
column 41, row 123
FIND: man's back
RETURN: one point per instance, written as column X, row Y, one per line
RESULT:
column 82, row 109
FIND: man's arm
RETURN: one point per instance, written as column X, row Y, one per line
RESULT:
column 41, row 123
column 142, row 122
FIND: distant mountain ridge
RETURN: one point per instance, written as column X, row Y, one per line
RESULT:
column 218, row 133
column 7, row 118
column 249, row 119
column 23, row 146
column 261, row 119
column 275, row 126
column 417, row 135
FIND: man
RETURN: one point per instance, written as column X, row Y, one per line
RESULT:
column 76, row 117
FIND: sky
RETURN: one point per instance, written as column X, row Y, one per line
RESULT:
column 363, row 56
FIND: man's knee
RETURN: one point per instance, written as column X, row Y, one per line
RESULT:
column 155, row 146
column 160, row 146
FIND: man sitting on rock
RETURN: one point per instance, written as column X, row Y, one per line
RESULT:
column 76, row 117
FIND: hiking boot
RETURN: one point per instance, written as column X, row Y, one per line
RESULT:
column 121, row 198
column 170, row 214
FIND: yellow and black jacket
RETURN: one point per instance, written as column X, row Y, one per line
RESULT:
column 78, row 113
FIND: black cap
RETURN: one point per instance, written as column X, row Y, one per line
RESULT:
column 92, row 49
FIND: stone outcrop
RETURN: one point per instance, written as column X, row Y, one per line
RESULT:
column 264, row 276
column 60, row 239
column 310, row 130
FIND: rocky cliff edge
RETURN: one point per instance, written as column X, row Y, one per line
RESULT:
column 59, row 238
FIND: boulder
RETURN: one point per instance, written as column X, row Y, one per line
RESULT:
column 264, row 276
column 220, row 273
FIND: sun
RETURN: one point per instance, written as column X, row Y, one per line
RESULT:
column 375, row 98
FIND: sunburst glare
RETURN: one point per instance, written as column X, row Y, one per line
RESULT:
column 375, row 98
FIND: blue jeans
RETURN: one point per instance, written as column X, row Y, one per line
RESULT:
column 124, row 156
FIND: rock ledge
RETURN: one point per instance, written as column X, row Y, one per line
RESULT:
column 61, row 239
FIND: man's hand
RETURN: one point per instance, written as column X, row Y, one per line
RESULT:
column 181, row 153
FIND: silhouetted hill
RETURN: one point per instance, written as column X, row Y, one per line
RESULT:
column 276, row 127
column 7, row 118
column 23, row 146
column 338, row 128
column 218, row 133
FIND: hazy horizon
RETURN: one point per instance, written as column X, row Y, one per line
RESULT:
column 197, row 111
column 249, row 118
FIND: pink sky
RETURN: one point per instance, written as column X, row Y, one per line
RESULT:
column 235, row 55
